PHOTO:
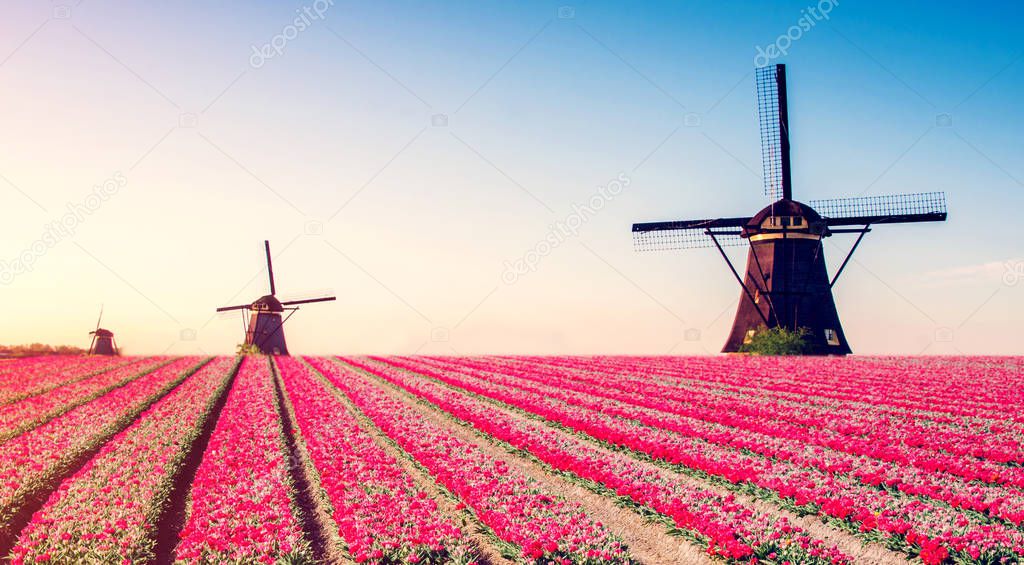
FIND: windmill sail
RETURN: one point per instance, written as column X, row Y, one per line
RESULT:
column 886, row 209
column 773, row 115
column 688, row 234
column 308, row 300
column 270, row 268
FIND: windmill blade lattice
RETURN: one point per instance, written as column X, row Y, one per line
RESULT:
column 772, row 113
column 667, row 240
column 885, row 209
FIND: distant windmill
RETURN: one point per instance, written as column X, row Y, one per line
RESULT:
column 102, row 340
column 264, row 327
column 786, row 283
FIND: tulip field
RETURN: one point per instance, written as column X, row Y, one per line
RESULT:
column 531, row 460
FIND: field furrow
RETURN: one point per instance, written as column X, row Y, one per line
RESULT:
column 537, row 524
column 716, row 521
column 907, row 523
column 109, row 509
column 37, row 378
column 862, row 430
column 33, row 464
column 377, row 510
column 21, row 416
column 900, row 469
column 498, row 460
column 241, row 506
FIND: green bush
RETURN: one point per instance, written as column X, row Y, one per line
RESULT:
column 249, row 349
column 778, row 341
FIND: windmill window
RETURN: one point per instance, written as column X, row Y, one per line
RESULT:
column 749, row 337
column 831, row 337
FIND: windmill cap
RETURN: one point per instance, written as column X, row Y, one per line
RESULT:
column 267, row 303
column 103, row 333
column 785, row 208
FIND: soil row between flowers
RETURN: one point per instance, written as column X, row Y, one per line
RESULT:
column 75, row 374
column 907, row 524
column 30, row 413
column 861, row 550
column 995, row 503
column 833, row 427
column 173, row 517
column 648, row 541
column 33, row 500
column 447, row 502
column 314, row 516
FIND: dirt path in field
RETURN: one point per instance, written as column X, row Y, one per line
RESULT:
column 488, row 554
column 32, row 501
column 868, row 553
column 319, row 528
column 172, row 519
column 648, row 542
column 862, row 552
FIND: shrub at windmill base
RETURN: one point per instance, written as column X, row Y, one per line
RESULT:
column 778, row 341
column 248, row 349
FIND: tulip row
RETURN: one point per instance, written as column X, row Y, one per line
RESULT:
column 518, row 509
column 727, row 528
column 14, row 370
column 381, row 516
column 946, row 388
column 711, row 421
column 31, row 379
column 870, row 425
column 108, row 510
column 32, row 464
column 26, row 414
column 918, row 523
column 240, row 506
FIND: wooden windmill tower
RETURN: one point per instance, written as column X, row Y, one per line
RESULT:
column 264, row 326
column 102, row 340
column 786, row 283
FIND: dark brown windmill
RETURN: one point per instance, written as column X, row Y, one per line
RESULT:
column 265, row 325
column 102, row 340
column 786, row 282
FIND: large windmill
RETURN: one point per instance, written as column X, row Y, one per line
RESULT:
column 786, row 283
column 264, row 326
column 102, row 340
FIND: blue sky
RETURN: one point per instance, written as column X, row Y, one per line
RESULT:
column 334, row 150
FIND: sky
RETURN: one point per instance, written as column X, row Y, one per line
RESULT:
column 403, row 155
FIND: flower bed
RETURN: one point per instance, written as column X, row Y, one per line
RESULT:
column 541, row 524
column 240, row 506
column 108, row 510
column 380, row 513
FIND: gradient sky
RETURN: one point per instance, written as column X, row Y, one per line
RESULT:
column 545, row 102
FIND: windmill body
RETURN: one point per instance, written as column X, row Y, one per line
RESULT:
column 786, row 283
column 786, row 269
column 102, row 340
column 103, row 343
column 265, row 323
column 265, row 326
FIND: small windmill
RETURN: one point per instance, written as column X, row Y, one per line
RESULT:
column 102, row 340
column 786, row 283
column 264, row 327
